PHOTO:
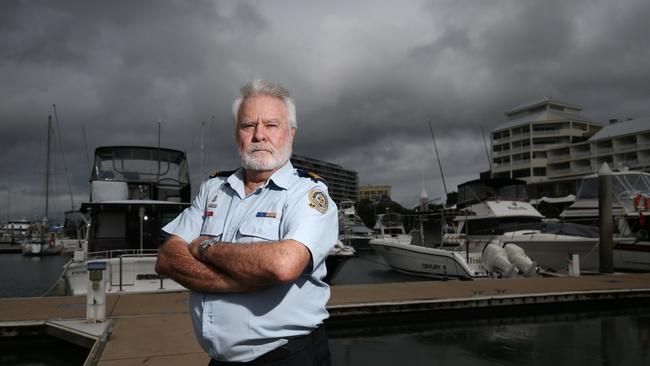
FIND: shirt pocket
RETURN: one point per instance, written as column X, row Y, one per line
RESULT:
column 265, row 228
column 213, row 226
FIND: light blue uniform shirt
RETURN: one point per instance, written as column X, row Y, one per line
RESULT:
column 243, row 326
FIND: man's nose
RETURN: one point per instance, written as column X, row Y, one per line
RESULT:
column 260, row 133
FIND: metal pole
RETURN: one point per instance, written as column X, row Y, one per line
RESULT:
column 606, row 243
column 141, row 214
column 120, row 272
column 444, row 185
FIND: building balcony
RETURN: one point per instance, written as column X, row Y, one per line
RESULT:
column 518, row 163
column 501, row 153
column 556, row 158
column 501, row 167
column 580, row 154
column 520, row 136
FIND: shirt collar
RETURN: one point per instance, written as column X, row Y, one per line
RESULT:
column 281, row 178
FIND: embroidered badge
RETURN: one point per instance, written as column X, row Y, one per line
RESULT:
column 317, row 200
column 213, row 203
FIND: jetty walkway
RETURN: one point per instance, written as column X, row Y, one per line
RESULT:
column 155, row 329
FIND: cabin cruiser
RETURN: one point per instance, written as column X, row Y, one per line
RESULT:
column 630, row 203
column 352, row 230
column 630, row 211
column 423, row 252
column 498, row 208
column 135, row 191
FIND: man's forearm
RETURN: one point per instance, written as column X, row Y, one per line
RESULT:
column 261, row 263
column 176, row 261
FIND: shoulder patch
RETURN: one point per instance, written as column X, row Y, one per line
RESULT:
column 222, row 173
column 317, row 200
column 303, row 173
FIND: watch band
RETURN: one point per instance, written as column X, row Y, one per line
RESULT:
column 203, row 247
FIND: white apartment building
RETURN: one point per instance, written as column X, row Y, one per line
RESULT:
column 551, row 145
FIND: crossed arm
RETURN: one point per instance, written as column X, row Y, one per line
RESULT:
column 232, row 267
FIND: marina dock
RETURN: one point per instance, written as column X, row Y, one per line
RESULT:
column 156, row 328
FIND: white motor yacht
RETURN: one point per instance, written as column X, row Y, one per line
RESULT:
column 497, row 208
column 135, row 191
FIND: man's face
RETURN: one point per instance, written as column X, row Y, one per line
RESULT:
column 264, row 137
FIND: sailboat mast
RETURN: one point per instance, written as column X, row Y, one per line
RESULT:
column 438, row 158
column 47, row 166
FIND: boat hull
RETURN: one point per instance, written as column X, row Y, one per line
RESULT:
column 423, row 261
column 133, row 274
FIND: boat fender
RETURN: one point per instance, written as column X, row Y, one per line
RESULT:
column 50, row 243
column 495, row 260
column 641, row 203
column 518, row 257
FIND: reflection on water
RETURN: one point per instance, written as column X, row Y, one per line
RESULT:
column 619, row 338
column 24, row 276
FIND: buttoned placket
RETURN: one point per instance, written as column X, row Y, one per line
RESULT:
column 239, row 210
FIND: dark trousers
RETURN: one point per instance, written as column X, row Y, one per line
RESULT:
column 310, row 350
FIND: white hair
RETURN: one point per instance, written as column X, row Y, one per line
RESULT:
column 265, row 87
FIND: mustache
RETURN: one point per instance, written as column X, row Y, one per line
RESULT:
column 260, row 146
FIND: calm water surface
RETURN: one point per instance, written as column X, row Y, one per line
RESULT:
column 23, row 276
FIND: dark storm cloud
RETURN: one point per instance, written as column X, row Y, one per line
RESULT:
column 366, row 83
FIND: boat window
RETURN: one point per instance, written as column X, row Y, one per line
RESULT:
column 588, row 188
column 138, row 164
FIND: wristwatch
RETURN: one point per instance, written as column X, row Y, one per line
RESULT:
column 203, row 247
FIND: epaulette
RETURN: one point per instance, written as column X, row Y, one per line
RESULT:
column 303, row 173
column 222, row 173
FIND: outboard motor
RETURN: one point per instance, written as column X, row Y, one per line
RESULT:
column 495, row 260
column 517, row 256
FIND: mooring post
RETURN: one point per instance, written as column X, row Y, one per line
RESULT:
column 606, row 243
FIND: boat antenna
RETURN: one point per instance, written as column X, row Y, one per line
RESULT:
column 210, row 139
column 65, row 167
column 486, row 150
column 83, row 132
column 202, row 164
column 158, row 157
column 47, row 166
column 444, row 185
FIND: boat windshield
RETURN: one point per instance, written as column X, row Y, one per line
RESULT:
column 390, row 220
column 491, row 190
column 140, row 164
column 622, row 184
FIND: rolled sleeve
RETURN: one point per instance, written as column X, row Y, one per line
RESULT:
column 304, row 223
column 188, row 224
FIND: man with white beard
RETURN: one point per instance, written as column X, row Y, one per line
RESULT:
column 252, row 245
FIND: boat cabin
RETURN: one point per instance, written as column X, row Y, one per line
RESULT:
column 135, row 191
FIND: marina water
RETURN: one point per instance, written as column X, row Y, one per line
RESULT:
column 619, row 336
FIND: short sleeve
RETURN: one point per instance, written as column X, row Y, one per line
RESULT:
column 311, row 217
column 188, row 224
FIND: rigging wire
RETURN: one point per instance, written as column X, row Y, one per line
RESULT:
column 65, row 168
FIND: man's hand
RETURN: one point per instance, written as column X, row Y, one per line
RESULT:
column 176, row 261
column 195, row 244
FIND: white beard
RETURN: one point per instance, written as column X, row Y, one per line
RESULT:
column 267, row 159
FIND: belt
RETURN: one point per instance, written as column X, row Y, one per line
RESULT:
column 294, row 345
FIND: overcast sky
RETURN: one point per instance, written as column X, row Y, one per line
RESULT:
column 367, row 77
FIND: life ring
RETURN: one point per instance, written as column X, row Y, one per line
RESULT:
column 50, row 242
